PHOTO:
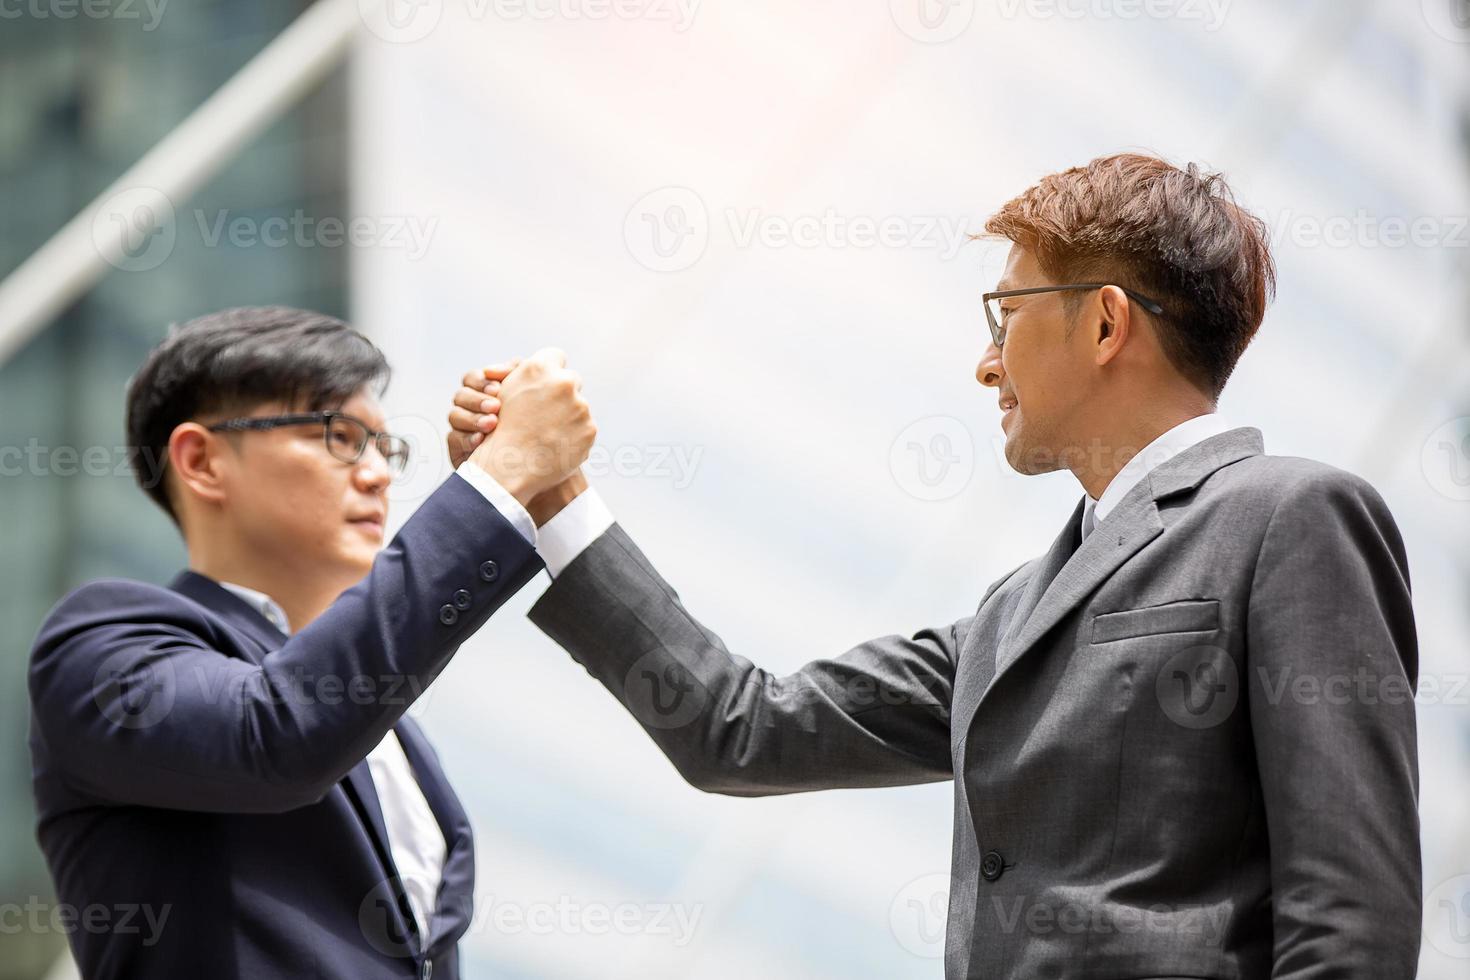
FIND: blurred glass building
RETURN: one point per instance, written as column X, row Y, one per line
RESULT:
column 81, row 99
column 749, row 227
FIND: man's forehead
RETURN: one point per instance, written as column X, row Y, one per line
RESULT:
column 1021, row 270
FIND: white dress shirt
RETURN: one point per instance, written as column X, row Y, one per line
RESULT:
column 1168, row 445
column 560, row 539
column 414, row 838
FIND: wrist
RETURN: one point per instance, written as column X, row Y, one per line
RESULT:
column 506, row 469
column 546, row 505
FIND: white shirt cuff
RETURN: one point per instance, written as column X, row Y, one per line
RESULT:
column 510, row 508
column 576, row 526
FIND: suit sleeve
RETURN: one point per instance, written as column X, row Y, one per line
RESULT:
column 134, row 702
column 1332, row 666
column 878, row 715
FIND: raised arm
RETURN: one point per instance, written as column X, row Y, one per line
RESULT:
column 136, row 700
column 136, row 703
column 878, row 715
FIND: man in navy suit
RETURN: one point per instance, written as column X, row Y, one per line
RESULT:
column 224, row 765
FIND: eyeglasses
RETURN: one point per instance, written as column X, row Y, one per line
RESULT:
column 346, row 437
column 996, row 315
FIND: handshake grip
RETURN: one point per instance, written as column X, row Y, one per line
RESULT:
column 542, row 430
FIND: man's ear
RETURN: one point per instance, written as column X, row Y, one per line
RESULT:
column 1114, row 323
column 196, row 457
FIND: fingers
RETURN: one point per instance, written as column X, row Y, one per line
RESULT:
column 481, row 403
column 476, row 411
column 498, row 372
column 463, row 421
column 489, row 378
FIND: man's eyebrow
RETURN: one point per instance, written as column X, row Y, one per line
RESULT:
column 1002, row 286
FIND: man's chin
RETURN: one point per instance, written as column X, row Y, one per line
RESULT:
column 1028, row 459
column 355, row 559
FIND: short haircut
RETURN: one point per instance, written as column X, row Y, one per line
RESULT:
column 1177, row 236
column 235, row 360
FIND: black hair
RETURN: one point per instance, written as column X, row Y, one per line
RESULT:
column 235, row 360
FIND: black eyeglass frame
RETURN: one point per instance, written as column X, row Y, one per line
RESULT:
column 390, row 447
column 998, row 333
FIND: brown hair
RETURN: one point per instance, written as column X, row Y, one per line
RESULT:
column 1177, row 236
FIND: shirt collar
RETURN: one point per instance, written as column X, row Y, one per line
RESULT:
column 1168, row 445
column 262, row 603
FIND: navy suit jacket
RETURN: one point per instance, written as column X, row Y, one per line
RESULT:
column 201, row 782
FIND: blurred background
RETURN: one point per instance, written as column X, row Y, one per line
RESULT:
column 747, row 224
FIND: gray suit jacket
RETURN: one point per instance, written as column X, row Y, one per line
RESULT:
column 1184, row 748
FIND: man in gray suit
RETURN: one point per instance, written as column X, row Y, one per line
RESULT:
column 1182, row 740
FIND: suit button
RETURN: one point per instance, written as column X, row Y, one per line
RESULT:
column 448, row 615
column 992, row 865
column 428, row 970
column 461, row 600
column 489, row 571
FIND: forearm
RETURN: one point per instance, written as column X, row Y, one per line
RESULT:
column 216, row 732
column 876, row 716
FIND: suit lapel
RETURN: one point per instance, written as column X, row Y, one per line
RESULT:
column 456, row 889
column 1050, row 566
column 979, row 655
column 358, row 783
column 1134, row 524
column 231, row 608
column 363, row 792
column 1064, row 578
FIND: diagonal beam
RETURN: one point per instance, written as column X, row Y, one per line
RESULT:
column 78, row 255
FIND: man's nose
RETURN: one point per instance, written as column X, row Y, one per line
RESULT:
column 990, row 372
column 371, row 472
